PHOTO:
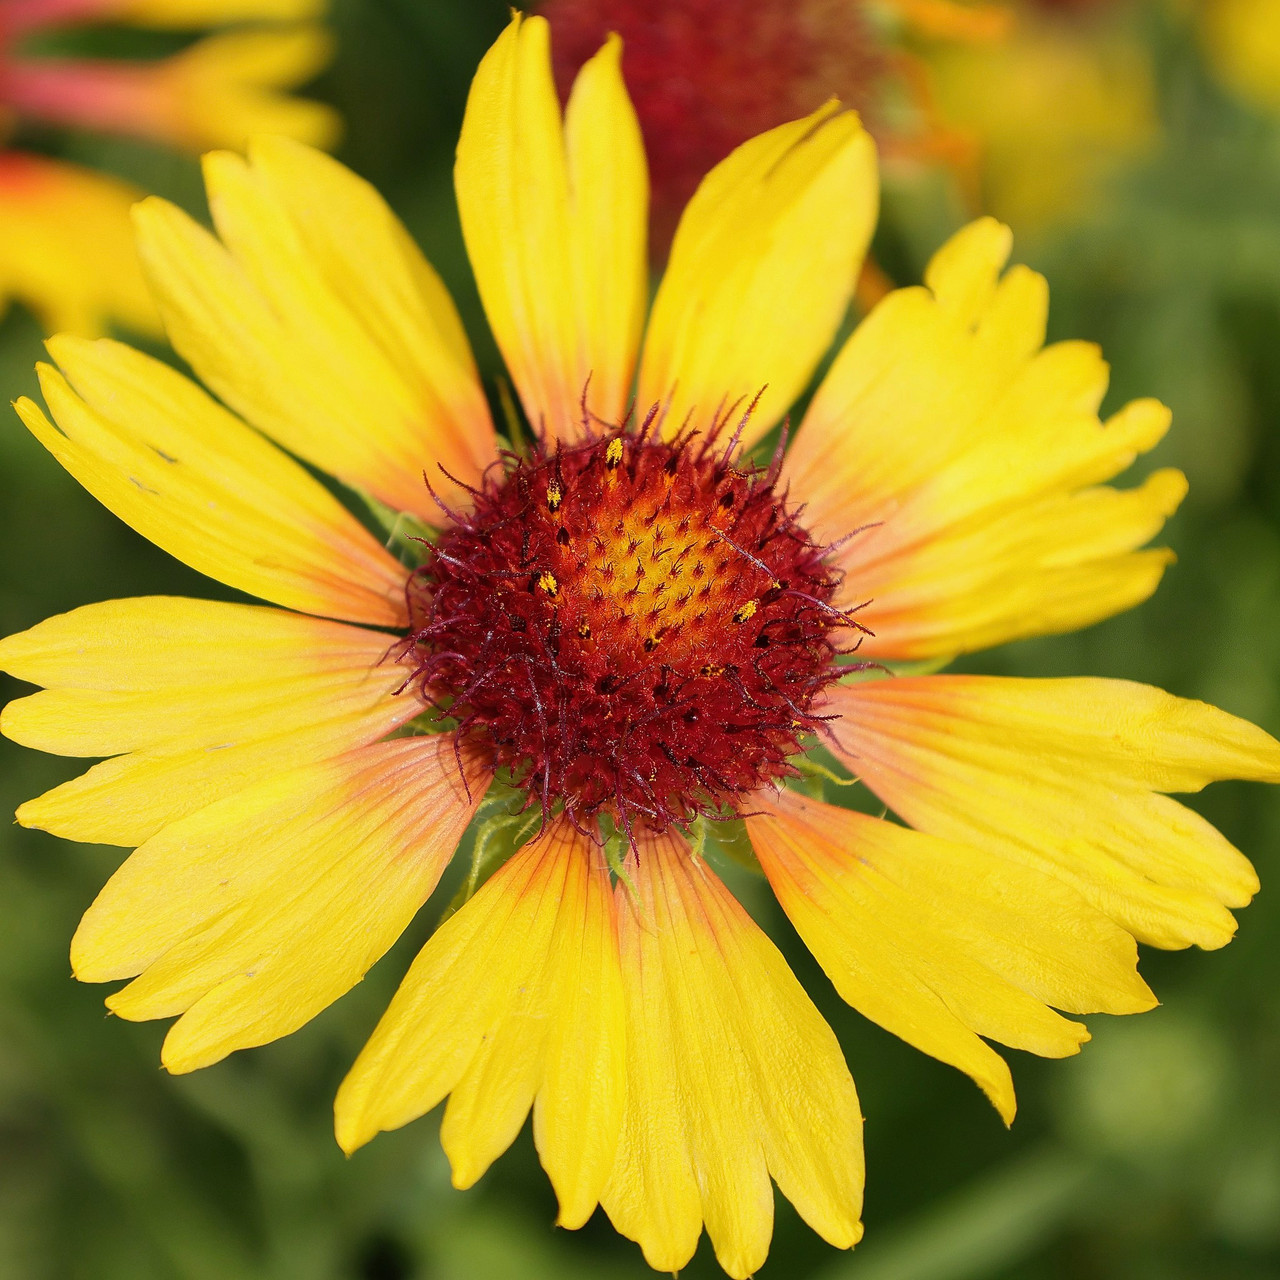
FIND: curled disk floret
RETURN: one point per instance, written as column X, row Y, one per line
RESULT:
column 628, row 625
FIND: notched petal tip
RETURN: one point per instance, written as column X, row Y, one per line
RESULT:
column 519, row 28
column 963, row 273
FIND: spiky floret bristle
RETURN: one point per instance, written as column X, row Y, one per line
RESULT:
column 628, row 626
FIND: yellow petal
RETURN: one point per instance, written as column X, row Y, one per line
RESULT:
column 227, row 88
column 954, row 444
column 1059, row 563
column 1242, row 38
column 554, row 217
column 66, row 248
column 206, row 697
column 732, row 1075
column 963, row 277
column 191, row 14
column 761, row 272
column 373, row 267
column 128, row 799
column 1065, row 776
column 185, row 473
column 255, row 913
column 608, row 224
column 941, row 943
column 515, row 1001
column 322, row 324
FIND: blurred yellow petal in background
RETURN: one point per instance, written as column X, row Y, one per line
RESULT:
column 1052, row 111
column 66, row 247
column 1242, row 40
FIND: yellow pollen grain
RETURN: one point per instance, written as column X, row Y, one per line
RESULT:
column 554, row 495
column 613, row 454
column 549, row 584
column 745, row 611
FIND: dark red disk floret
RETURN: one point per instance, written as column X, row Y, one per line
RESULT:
column 628, row 626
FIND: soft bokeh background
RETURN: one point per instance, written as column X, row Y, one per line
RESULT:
column 1154, row 1155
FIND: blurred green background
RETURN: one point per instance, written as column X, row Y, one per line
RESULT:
column 1154, row 1155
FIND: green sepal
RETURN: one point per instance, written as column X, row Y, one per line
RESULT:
column 810, row 768
column 616, row 850
column 423, row 726
column 499, row 833
column 403, row 532
column 726, row 838
column 884, row 670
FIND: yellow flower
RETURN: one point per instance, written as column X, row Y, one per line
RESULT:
column 1053, row 112
column 1242, row 39
column 635, row 627
column 66, row 249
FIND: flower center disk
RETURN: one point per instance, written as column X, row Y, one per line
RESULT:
column 628, row 626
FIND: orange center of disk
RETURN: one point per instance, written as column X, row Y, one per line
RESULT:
column 641, row 560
